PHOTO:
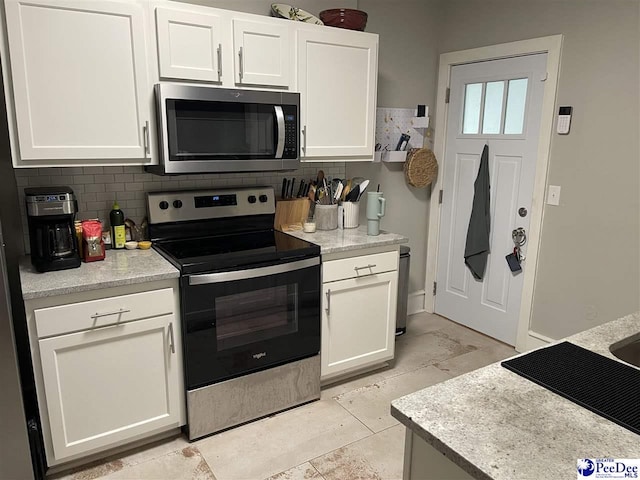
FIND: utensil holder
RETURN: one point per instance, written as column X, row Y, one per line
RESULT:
column 351, row 214
column 326, row 217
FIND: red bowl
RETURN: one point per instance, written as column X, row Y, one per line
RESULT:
column 344, row 18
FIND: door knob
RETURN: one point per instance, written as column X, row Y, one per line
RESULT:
column 519, row 236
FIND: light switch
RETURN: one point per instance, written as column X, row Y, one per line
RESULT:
column 553, row 196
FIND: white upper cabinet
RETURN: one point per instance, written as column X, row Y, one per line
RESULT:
column 337, row 78
column 262, row 53
column 189, row 45
column 78, row 73
column 221, row 47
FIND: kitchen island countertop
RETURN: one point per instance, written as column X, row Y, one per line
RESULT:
column 495, row 424
column 120, row 267
column 342, row 240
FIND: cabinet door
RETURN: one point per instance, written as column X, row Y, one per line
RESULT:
column 79, row 76
column 262, row 53
column 337, row 77
column 358, row 323
column 189, row 45
column 110, row 384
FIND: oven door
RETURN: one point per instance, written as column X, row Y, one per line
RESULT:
column 247, row 320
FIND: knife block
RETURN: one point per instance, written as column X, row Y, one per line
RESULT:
column 291, row 213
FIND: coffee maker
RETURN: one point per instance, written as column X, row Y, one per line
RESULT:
column 51, row 212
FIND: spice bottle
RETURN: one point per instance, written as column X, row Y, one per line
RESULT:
column 116, row 218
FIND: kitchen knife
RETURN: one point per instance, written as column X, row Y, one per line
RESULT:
column 293, row 182
column 300, row 189
column 284, row 188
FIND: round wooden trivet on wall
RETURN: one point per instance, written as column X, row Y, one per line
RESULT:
column 421, row 167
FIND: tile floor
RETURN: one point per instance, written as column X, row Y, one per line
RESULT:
column 348, row 434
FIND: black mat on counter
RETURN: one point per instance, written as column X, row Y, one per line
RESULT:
column 606, row 387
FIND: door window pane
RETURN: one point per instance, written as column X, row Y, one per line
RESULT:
column 472, row 102
column 493, row 107
column 516, row 100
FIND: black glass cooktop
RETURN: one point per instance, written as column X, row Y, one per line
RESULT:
column 222, row 252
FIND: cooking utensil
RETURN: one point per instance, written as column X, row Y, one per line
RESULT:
column 284, row 188
column 300, row 189
column 327, row 194
column 338, row 193
column 346, row 190
column 363, row 186
column 353, row 194
column 293, row 181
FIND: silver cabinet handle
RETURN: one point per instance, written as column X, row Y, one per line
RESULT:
column 219, row 61
column 328, row 309
column 241, row 73
column 370, row 267
column 304, row 140
column 118, row 312
column 145, row 134
column 171, row 339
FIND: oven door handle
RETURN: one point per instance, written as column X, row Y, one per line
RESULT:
column 280, row 132
column 220, row 277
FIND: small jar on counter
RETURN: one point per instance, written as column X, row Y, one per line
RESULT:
column 92, row 244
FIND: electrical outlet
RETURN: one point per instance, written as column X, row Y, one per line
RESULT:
column 553, row 196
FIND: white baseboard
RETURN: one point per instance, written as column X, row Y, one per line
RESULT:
column 533, row 341
column 415, row 303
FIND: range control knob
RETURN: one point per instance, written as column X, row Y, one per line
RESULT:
column 164, row 205
column 177, row 204
column 263, row 198
column 252, row 199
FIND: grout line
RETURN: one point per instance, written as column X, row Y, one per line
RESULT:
column 365, row 426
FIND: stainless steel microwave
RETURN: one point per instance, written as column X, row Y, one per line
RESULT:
column 208, row 130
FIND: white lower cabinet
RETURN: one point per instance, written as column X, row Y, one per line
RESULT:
column 114, row 375
column 358, row 313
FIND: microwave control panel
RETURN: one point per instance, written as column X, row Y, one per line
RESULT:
column 290, row 131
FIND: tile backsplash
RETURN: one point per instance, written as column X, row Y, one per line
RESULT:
column 96, row 188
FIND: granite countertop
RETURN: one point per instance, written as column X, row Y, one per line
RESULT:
column 120, row 267
column 342, row 240
column 495, row 424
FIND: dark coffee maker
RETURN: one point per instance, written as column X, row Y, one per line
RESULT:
column 51, row 212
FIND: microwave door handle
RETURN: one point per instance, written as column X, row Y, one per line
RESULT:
column 280, row 131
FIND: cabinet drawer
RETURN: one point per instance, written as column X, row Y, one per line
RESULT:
column 359, row 266
column 100, row 313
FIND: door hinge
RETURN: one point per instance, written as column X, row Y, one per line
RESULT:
column 447, row 95
column 435, row 287
column 440, row 196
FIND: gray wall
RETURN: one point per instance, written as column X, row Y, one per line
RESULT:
column 589, row 263
column 408, row 64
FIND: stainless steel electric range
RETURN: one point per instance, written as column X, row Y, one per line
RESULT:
column 250, row 304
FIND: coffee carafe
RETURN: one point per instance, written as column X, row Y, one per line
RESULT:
column 50, row 213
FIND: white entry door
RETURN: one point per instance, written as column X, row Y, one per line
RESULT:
column 497, row 103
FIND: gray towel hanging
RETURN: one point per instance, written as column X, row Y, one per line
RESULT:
column 477, row 247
